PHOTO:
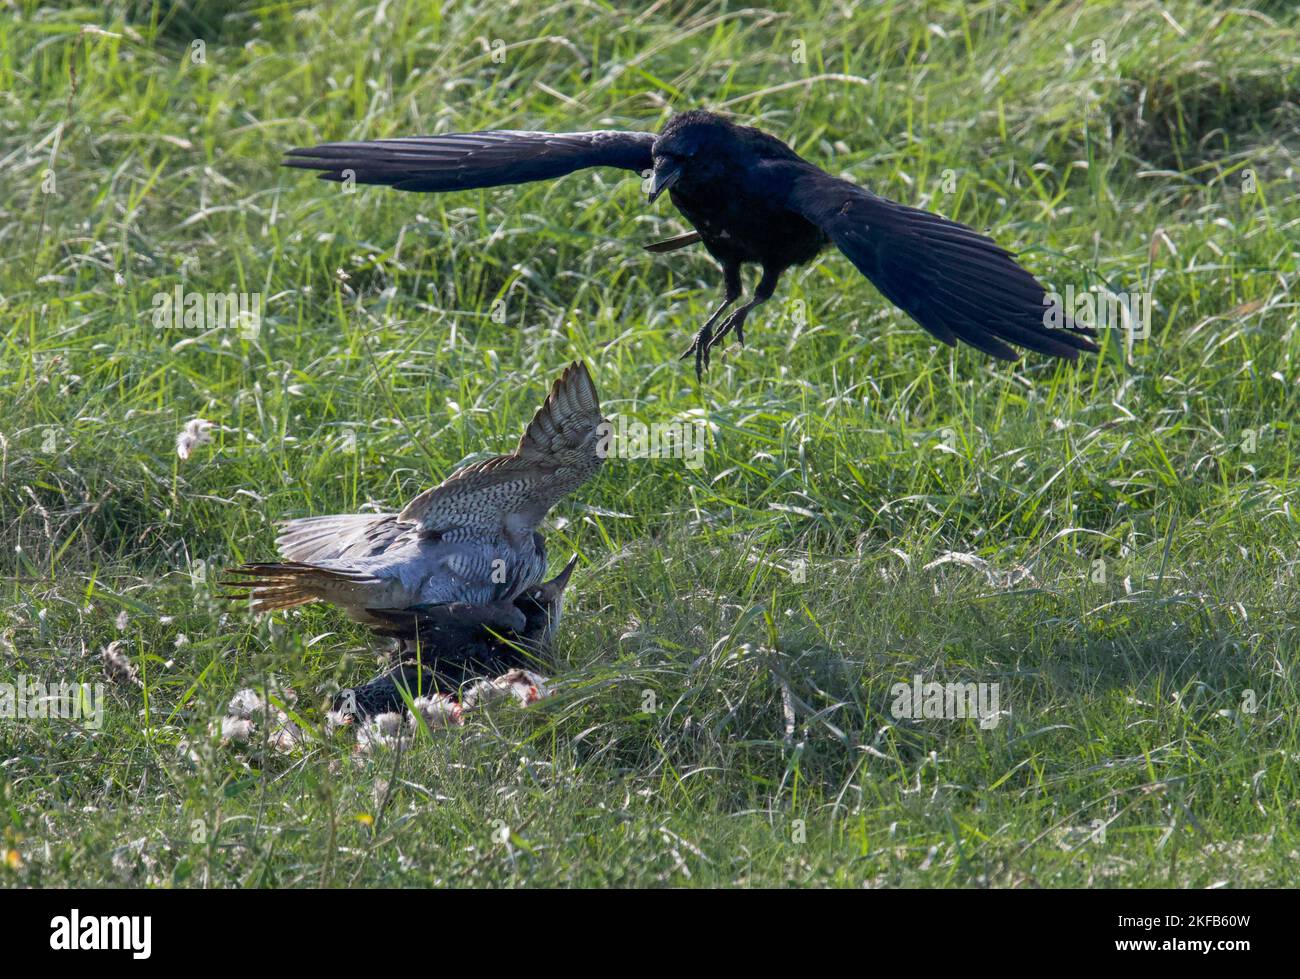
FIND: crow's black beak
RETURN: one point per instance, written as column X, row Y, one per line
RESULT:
column 665, row 175
column 561, row 580
column 553, row 589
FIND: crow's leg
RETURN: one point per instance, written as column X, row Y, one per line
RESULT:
column 700, row 345
column 736, row 321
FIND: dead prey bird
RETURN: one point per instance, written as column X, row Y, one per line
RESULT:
column 752, row 200
column 472, row 539
column 445, row 647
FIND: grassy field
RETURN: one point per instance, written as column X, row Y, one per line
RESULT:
column 1113, row 544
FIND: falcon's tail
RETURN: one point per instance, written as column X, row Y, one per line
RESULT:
column 288, row 584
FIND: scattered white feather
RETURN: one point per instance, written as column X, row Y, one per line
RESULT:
column 438, row 710
column 247, row 708
column 197, row 431
column 245, row 703
column 524, row 686
column 117, row 665
column 380, row 731
column 236, row 729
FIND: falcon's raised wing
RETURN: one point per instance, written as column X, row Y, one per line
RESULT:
column 449, row 539
column 557, row 453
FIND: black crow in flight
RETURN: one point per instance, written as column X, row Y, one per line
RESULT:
column 752, row 199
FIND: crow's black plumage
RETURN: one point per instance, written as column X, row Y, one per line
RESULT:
column 752, row 200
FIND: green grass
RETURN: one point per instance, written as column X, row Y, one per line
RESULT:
column 852, row 443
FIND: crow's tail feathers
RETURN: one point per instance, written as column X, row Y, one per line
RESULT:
column 672, row 244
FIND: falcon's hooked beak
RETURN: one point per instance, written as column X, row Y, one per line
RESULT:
column 666, row 173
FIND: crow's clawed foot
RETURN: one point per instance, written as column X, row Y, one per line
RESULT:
column 700, row 348
column 734, row 323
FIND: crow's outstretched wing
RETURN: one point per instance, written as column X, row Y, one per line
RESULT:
column 462, row 161
column 955, row 282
